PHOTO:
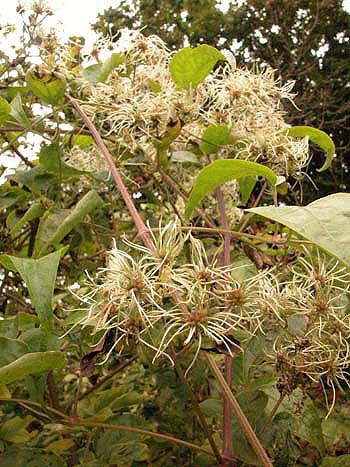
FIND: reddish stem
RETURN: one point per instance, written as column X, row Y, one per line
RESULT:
column 140, row 225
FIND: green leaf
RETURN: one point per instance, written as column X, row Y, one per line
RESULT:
column 11, row 91
column 39, row 340
column 4, row 392
column 155, row 86
column 6, row 262
column 125, row 454
column 99, row 72
column 14, row 430
column 40, row 277
column 92, row 72
column 60, row 446
column 246, row 186
column 126, row 447
column 212, row 408
column 5, row 110
column 48, row 88
column 12, row 196
column 31, row 363
column 221, row 171
column 34, row 211
column 109, row 65
column 189, row 67
column 318, row 137
column 50, row 157
column 325, row 222
column 214, row 137
column 18, row 112
column 11, row 349
column 339, row 461
column 36, row 179
column 58, row 223
column 15, row 457
column 83, row 141
column 310, row 426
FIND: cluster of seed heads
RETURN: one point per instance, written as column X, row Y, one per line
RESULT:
column 140, row 99
column 173, row 297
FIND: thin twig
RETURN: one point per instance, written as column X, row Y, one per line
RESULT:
column 254, row 205
column 130, row 429
column 36, row 404
column 253, row 439
column 35, row 412
column 235, row 233
column 272, row 414
column 18, row 152
column 107, row 377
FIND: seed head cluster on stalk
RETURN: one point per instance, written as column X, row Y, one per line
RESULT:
column 316, row 323
column 159, row 300
column 139, row 100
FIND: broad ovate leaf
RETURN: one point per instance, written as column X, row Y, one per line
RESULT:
column 325, row 222
column 318, row 137
column 40, row 277
column 46, row 86
column 189, row 67
column 30, row 364
column 219, row 172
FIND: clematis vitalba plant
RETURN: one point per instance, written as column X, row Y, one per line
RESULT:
column 164, row 293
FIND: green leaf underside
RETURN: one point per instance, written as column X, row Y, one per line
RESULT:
column 40, row 277
column 109, row 65
column 219, row 172
column 318, row 137
column 189, row 67
column 31, row 363
column 325, row 222
column 59, row 222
